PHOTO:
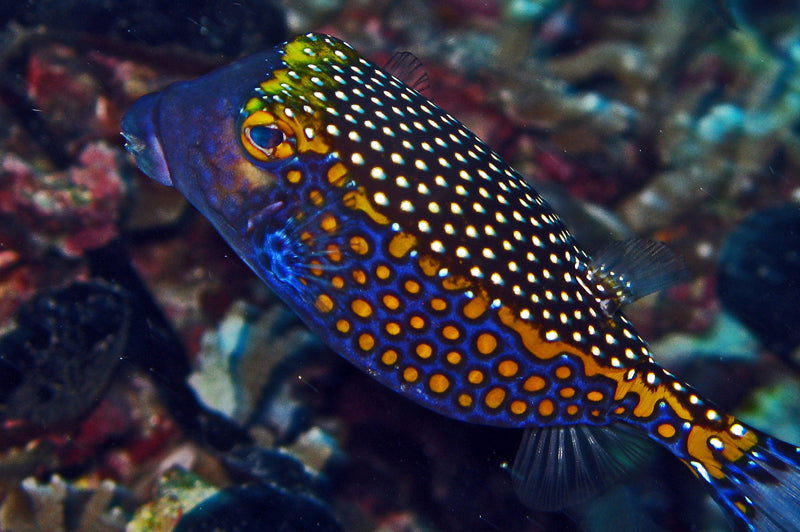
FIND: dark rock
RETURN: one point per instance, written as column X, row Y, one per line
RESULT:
column 58, row 360
column 759, row 276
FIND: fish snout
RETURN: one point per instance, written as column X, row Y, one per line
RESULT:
column 142, row 138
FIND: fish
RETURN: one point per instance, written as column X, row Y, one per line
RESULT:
column 415, row 252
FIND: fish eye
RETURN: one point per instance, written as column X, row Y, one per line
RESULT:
column 266, row 139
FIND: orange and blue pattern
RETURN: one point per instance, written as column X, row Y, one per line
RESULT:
column 418, row 254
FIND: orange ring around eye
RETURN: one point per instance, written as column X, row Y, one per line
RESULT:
column 262, row 118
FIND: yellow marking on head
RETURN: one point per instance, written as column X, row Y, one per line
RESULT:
column 438, row 383
column 391, row 302
column 416, row 321
column 665, row 430
column 438, row 304
column 343, row 326
column 337, row 174
column 358, row 201
column 572, row 410
column 360, row 276
column 546, row 407
column 382, row 272
column 494, row 398
column 475, row 376
column 329, row 224
column 453, row 357
column 296, row 58
column 566, row 393
column 294, row 176
column 450, row 332
column 518, row 407
column 334, row 253
column 486, row 343
column 742, row 508
column 359, row 244
column 393, row 328
column 410, row 374
column 401, row 243
column 361, row 308
column 366, row 341
column 324, row 303
column 534, row 383
column 412, row 287
column 465, row 400
column 424, row 351
column 337, row 282
column 389, row 357
column 304, row 145
column 595, row 396
column 253, row 105
column 429, row 265
column 563, row 372
column 507, row 368
column 475, row 308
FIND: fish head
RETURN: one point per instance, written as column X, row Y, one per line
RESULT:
column 209, row 139
column 268, row 146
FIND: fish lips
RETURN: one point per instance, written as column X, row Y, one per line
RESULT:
column 141, row 133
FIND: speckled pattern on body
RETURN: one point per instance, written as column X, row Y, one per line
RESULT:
column 416, row 253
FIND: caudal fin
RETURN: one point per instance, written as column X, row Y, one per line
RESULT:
column 757, row 482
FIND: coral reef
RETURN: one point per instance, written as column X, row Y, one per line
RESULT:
column 63, row 507
column 144, row 370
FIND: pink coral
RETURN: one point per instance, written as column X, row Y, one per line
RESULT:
column 74, row 210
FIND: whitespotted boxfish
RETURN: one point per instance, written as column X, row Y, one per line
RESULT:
column 416, row 253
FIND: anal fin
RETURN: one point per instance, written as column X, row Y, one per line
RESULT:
column 560, row 466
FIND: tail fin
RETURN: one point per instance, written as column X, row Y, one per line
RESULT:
column 754, row 477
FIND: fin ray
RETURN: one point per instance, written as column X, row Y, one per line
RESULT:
column 630, row 269
column 406, row 67
column 557, row 467
column 761, row 490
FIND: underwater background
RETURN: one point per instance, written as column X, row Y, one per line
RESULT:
column 144, row 369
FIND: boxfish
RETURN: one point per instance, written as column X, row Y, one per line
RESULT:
column 415, row 252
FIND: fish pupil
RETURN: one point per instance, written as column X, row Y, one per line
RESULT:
column 266, row 138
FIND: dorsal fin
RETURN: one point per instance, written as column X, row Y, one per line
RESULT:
column 560, row 466
column 407, row 68
column 630, row 269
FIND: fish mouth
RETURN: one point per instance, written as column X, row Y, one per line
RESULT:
column 142, row 138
